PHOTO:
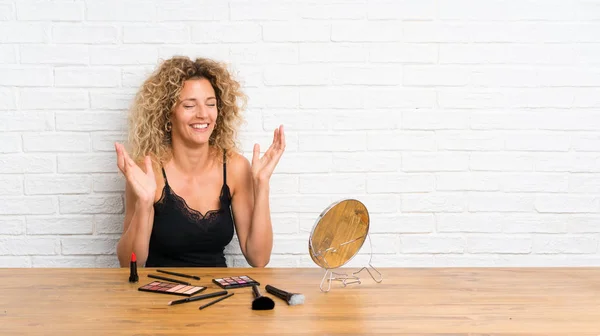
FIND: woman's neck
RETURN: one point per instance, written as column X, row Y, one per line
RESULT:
column 192, row 161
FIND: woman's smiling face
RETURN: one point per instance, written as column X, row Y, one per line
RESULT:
column 194, row 117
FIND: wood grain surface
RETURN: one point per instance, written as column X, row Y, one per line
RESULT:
column 410, row 301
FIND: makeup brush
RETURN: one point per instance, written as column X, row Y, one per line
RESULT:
column 292, row 299
column 261, row 302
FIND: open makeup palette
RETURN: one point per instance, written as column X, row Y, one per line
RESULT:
column 236, row 282
column 171, row 288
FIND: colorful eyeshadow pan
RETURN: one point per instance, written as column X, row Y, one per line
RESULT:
column 171, row 288
column 235, row 282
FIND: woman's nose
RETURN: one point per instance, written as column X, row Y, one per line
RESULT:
column 201, row 111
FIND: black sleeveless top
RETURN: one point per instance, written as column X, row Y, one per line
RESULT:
column 184, row 237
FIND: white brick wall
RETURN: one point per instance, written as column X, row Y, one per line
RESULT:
column 470, row 129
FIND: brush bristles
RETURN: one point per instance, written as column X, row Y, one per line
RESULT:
column 292, row 299
column 263, row 303
column 296, row 299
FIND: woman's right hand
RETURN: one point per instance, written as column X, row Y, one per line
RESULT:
column 142, row 183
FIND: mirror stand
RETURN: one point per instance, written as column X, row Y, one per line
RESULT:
column 344, row 278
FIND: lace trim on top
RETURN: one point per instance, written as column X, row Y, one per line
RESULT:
column 190, row 213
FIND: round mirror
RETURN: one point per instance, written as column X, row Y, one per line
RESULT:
column 339, row 233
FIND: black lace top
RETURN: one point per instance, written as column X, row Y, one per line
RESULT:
column 184, row 237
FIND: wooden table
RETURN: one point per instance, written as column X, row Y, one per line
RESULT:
column 412, row 301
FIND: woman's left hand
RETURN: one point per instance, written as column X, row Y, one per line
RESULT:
column 263, row 167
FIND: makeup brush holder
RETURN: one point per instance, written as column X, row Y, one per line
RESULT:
column 337, row 236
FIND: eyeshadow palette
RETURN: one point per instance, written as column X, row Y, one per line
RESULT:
column 171, row 288
column 235, row 282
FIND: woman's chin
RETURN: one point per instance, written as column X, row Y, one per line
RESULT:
column 200, row 141
column 195, row 140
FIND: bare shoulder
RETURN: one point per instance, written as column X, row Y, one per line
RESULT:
column 238, row 170
column 238, row 165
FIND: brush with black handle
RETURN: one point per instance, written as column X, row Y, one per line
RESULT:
column 292, row 299
column 261, row 302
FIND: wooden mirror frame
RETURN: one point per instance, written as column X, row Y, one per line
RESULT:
column 339, row 233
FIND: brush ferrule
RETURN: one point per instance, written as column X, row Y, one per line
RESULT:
column 278, row 292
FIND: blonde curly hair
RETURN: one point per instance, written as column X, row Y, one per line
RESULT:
column 159, row 94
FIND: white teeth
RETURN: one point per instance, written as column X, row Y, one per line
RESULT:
column 199, row 126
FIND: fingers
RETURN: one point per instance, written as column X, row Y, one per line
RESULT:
column 255, row 154
column 120, row 157
column 278, row 139
column 128, row 159
column 127, row 165
column 276, row 145
column 277, row 149
column 281, row 138
column 148, row 163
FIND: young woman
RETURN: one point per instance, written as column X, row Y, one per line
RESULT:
column 187, row 186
